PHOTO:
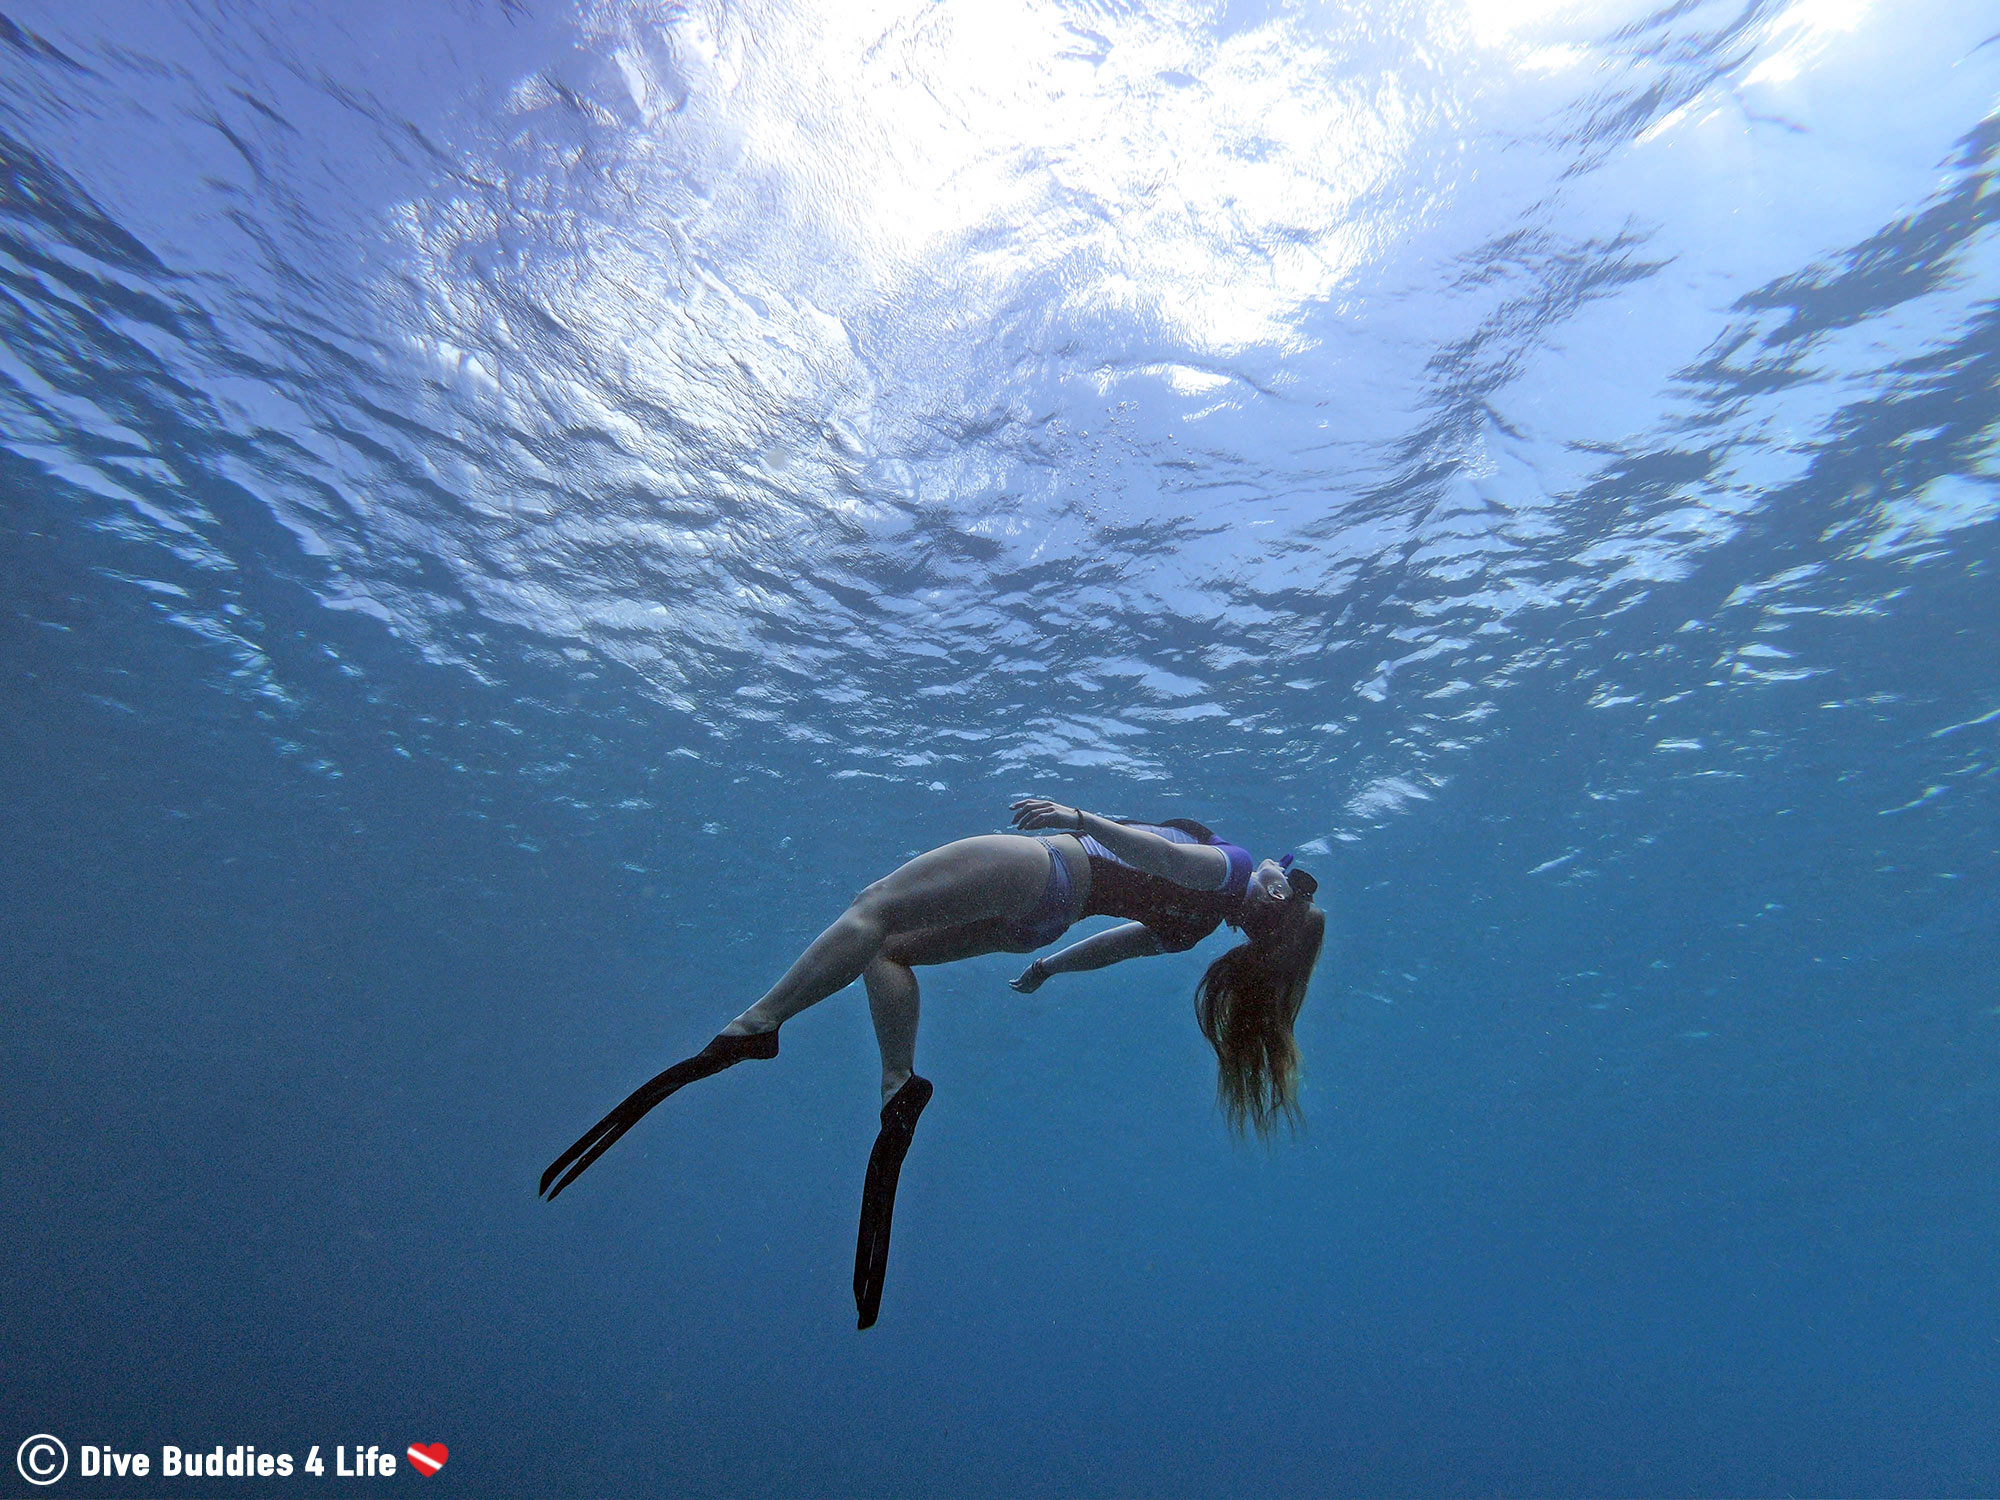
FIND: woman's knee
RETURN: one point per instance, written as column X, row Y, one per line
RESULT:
column 870, row 914
column 889, row 906
column 888, row 967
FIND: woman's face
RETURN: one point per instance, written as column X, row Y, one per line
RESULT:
column 1269, row 889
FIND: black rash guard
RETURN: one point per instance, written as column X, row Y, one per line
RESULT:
column 1179, row 917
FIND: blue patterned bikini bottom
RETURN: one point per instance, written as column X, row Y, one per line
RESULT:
column 1053, row 914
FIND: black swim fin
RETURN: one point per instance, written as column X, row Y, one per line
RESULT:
column 878, row 1194
column 723, row 1052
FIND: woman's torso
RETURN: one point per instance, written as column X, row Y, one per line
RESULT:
column 1178, row 916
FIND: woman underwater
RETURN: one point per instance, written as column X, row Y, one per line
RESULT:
column 1174, row 883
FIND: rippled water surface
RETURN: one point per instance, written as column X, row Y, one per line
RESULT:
column 512, row 512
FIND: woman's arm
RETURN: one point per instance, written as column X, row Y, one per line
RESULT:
column 1199, row 867
column 1112, row 946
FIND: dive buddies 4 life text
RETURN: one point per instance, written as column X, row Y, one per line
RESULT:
column 43, row 1459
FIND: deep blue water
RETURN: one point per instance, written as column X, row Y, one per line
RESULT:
column 510, row 513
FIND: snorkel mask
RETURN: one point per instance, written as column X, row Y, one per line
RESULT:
column 1301, row 881
column 1263, row 922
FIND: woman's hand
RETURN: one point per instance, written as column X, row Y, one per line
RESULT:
column 1032, row 978
column 1039, row 812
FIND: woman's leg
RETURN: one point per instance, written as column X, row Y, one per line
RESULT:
column 998, row 875
column 951, row 903
column 893, row 1007
column 892, row 987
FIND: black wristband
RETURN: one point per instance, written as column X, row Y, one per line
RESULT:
column 1079, row 820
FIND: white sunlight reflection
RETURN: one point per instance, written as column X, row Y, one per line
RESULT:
column 1501, row 23
column 1208, row 184
column 1803, row 33
column 799, row 227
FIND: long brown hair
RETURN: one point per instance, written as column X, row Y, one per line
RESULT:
column 1246, row 1004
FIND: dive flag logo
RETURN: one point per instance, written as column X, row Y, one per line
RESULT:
column 427, row 1460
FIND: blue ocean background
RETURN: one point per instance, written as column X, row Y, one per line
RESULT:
column 510, row 513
